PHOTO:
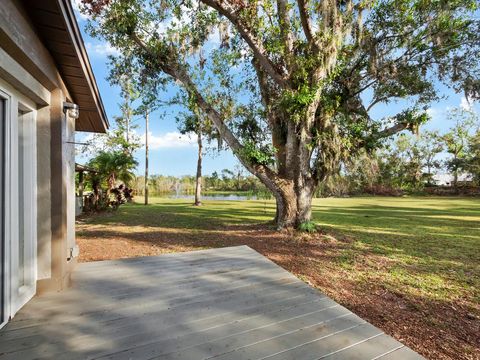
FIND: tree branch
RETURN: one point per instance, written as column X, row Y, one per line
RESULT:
column 376, row 101
column 178, row 72
column 284, row 23
column 266, row 91
column 255, row 45
column 391, row 131
column 269, row 177
column 305, row 19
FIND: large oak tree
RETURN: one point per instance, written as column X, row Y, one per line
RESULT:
column 290, row 85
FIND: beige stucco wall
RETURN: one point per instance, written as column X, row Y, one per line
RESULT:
column 27, row 67
column 44, row 224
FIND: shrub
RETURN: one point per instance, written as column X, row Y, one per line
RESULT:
column 308, row 226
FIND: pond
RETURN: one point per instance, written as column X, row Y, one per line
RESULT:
column 228, row 197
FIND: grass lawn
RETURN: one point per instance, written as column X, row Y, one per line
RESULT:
column 410, row 266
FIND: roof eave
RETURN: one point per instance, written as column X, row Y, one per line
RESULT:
column 77, row 41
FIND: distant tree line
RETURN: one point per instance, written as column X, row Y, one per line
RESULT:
column 405, row 164
column 409, row 163
column 227, row 180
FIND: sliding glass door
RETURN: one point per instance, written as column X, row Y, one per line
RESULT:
column 18, row 203
column 25, row 247
column 3, row 263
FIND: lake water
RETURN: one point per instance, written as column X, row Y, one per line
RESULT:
column 228, row 197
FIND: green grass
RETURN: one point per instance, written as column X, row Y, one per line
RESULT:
column 432, row 244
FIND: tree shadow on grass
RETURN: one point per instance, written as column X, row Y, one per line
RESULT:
column 387, row 230
column 445, row 234
column 179, row 216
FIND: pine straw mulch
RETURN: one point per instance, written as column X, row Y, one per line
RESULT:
column 435, row 329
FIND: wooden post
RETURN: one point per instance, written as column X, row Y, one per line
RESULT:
column 127, row 119
column 146, row 157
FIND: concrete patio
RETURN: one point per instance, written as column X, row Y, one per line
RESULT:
column 229, row 303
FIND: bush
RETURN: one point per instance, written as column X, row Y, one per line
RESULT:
column 101, row 200
column 308, row 226
column 382, row 190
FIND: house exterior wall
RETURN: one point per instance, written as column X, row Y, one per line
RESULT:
column 26, row 67
column 59, row 201
column 44, row 189
column 19, row 38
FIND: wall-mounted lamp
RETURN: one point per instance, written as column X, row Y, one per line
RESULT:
column 72, row 109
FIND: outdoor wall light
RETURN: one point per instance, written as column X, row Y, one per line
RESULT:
column 72, row 109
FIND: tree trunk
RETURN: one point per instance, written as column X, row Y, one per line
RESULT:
column 286, row 206
column 292, row 182
column 304, row 198
column 239, row 180
column 146, row 157
column 96, row 193
column 111, row 182
column 455, row 172
column 429, row 172
column 294, row 204
column 198, row 180
column 80, row 189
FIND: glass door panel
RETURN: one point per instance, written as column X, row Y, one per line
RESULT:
column 3, row 264
column 26, row 200
column 22, row 206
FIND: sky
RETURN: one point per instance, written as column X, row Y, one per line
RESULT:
column 170, row 153
column 174, row 154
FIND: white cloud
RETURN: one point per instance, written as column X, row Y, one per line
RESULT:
column 432, row 112
column 169, row 140
column 466, row 104
column 101, row 49
column 77, row 5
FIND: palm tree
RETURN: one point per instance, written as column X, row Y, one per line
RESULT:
column 113, row 166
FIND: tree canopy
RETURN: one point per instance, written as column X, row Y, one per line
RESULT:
column 290, row 85
column 113, row 166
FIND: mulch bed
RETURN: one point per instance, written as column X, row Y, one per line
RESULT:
column 437, row 330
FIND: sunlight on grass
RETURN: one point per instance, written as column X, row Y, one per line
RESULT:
column 433, row 242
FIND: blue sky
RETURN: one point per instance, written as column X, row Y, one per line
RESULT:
column 170, row 152
column 173, row 154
